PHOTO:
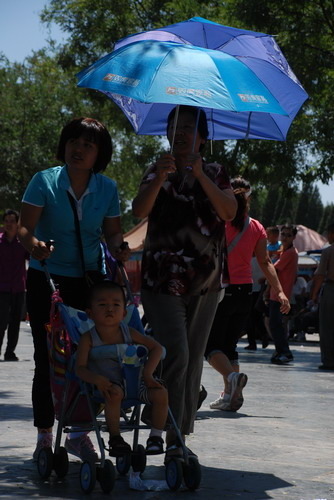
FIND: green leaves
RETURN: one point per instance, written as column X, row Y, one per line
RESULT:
column 40, row 96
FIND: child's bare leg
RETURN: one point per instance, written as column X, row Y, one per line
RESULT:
column 112, row 413
column 159, row 401
column 158, row 397
column 112, row 410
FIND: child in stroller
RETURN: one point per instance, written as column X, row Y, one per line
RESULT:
column 107, row 308
column 78, row 403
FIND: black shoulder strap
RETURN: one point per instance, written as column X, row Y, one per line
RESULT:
column 77, row 230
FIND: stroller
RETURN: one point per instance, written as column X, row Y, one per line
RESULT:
column 79, row 406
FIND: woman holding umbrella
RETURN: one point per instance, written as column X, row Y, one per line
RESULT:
column 187, row 202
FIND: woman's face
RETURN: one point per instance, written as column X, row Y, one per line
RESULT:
column 81, row 153
column 184, row 134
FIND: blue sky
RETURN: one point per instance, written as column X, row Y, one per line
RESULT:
column 21, row 32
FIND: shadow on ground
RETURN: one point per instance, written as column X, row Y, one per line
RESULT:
column 22, row 477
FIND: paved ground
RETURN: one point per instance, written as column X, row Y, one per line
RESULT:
column 278, row 446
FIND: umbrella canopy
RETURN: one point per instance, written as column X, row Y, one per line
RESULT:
column 307, row 239
column 258, row 51
column 204, row 33
column 171, row 73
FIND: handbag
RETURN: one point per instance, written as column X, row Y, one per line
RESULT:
column 91, row 276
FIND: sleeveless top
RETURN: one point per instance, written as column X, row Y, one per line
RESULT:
column 103, row 364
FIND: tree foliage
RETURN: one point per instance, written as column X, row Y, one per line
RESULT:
column 304, row 31
column 40, row 96
column 36, row 100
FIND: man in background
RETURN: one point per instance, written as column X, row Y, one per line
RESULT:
column 286, row 267
column 12, row 283
column 324, row 278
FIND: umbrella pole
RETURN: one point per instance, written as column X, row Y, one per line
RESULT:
column 195, row 133
column 195, row 130
column 176, row 117
column 248, row 125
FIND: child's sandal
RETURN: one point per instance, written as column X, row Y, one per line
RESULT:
column 154, row 445
column 118, row 447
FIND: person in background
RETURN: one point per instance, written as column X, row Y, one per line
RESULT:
column 187, row 202
column 245, row 236
column 298, row 304
column 324, row 281
column 255, row 327
column 49, row 205
column 274, row 245
column 286, row 267
column 13, row 258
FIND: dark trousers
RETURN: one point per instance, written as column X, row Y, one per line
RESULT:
column 11, row 306
column 73, row 292
column 181, row 325
column 277, row 330
column 327, row 324
column 230, row 320
column 255, row 326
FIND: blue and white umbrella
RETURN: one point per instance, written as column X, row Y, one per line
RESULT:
column 148, row 78
column 170, row 73
column 257, row 50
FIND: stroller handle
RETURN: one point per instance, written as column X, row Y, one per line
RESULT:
column 49, row 244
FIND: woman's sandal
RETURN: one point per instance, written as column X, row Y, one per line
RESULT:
column 118, row 447
column 174, row 450
column 154, row 445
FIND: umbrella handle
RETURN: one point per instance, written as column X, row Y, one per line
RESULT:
column 176, row 117
column 196, row 127
column 195, row 132
column 174, row 131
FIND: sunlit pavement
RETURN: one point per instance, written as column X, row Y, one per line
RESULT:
column 278, row 445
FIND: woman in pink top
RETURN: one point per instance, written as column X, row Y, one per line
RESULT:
column 244, row 237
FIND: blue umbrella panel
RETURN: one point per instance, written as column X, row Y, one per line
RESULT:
column 171, row 73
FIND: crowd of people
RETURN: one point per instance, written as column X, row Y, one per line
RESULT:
column 210, row 274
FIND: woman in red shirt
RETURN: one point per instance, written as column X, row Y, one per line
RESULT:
column 244, row 237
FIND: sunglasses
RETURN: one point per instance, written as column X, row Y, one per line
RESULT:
column 287, row 235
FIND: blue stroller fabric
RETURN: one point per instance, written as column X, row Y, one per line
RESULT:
column 132, row 318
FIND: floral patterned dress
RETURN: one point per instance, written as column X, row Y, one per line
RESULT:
column 184, row 250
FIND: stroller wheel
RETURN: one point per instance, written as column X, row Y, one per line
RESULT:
column 87, row 477
column 60, row 462
column 123, row 463
column 138, row 459
column 192, row 474
column 174, row 474
column 106, row 476
column 45, row 462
